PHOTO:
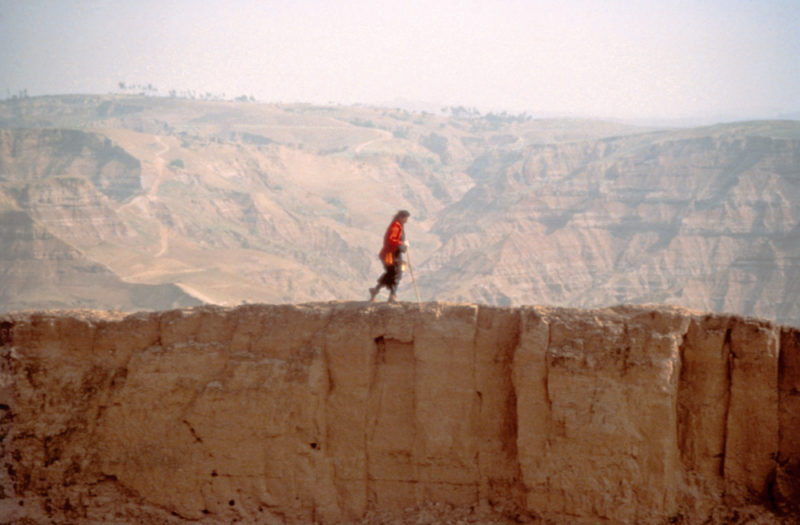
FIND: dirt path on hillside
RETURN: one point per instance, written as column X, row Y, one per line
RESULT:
column 161, row 169
column 385, row 137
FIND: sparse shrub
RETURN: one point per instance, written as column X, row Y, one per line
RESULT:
column 363, row 123
column 437, row 144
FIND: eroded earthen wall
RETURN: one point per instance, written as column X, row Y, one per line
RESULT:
column 329, row 412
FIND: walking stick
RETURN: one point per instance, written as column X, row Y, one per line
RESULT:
column 411, row 271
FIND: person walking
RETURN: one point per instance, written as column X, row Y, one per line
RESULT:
column 391, row 255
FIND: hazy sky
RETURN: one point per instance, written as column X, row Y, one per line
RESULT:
column 605, row 58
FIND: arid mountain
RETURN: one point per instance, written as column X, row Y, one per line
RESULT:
column 706, row 218
column 244, row 202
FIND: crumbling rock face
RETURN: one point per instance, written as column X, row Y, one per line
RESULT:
column 351, row 412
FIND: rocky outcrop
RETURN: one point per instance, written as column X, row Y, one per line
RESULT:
column 343, row 412
column 29, row 157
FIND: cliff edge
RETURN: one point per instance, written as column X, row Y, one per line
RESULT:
column 355, row 412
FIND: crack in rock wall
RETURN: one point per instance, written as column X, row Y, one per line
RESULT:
column 333, row 412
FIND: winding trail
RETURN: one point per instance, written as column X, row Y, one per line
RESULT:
column 161, row 168
column 385, row 136
column 161, row 165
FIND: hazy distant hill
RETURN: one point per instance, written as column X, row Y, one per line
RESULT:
column 237, row 201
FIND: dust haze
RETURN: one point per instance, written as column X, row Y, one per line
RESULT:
column 680, row 62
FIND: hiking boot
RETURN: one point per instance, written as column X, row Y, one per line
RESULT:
column 372, row 293
column 392, row 298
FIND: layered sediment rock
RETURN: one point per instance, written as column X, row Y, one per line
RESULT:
column 340, row 411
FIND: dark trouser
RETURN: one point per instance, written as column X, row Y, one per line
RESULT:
column 391, row 276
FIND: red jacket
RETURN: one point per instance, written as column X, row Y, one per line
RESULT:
column 391, row 241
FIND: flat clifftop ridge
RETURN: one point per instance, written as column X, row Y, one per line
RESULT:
column 372, row 412
column 405, row 306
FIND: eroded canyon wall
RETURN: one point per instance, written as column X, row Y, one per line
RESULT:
column 329, row 412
